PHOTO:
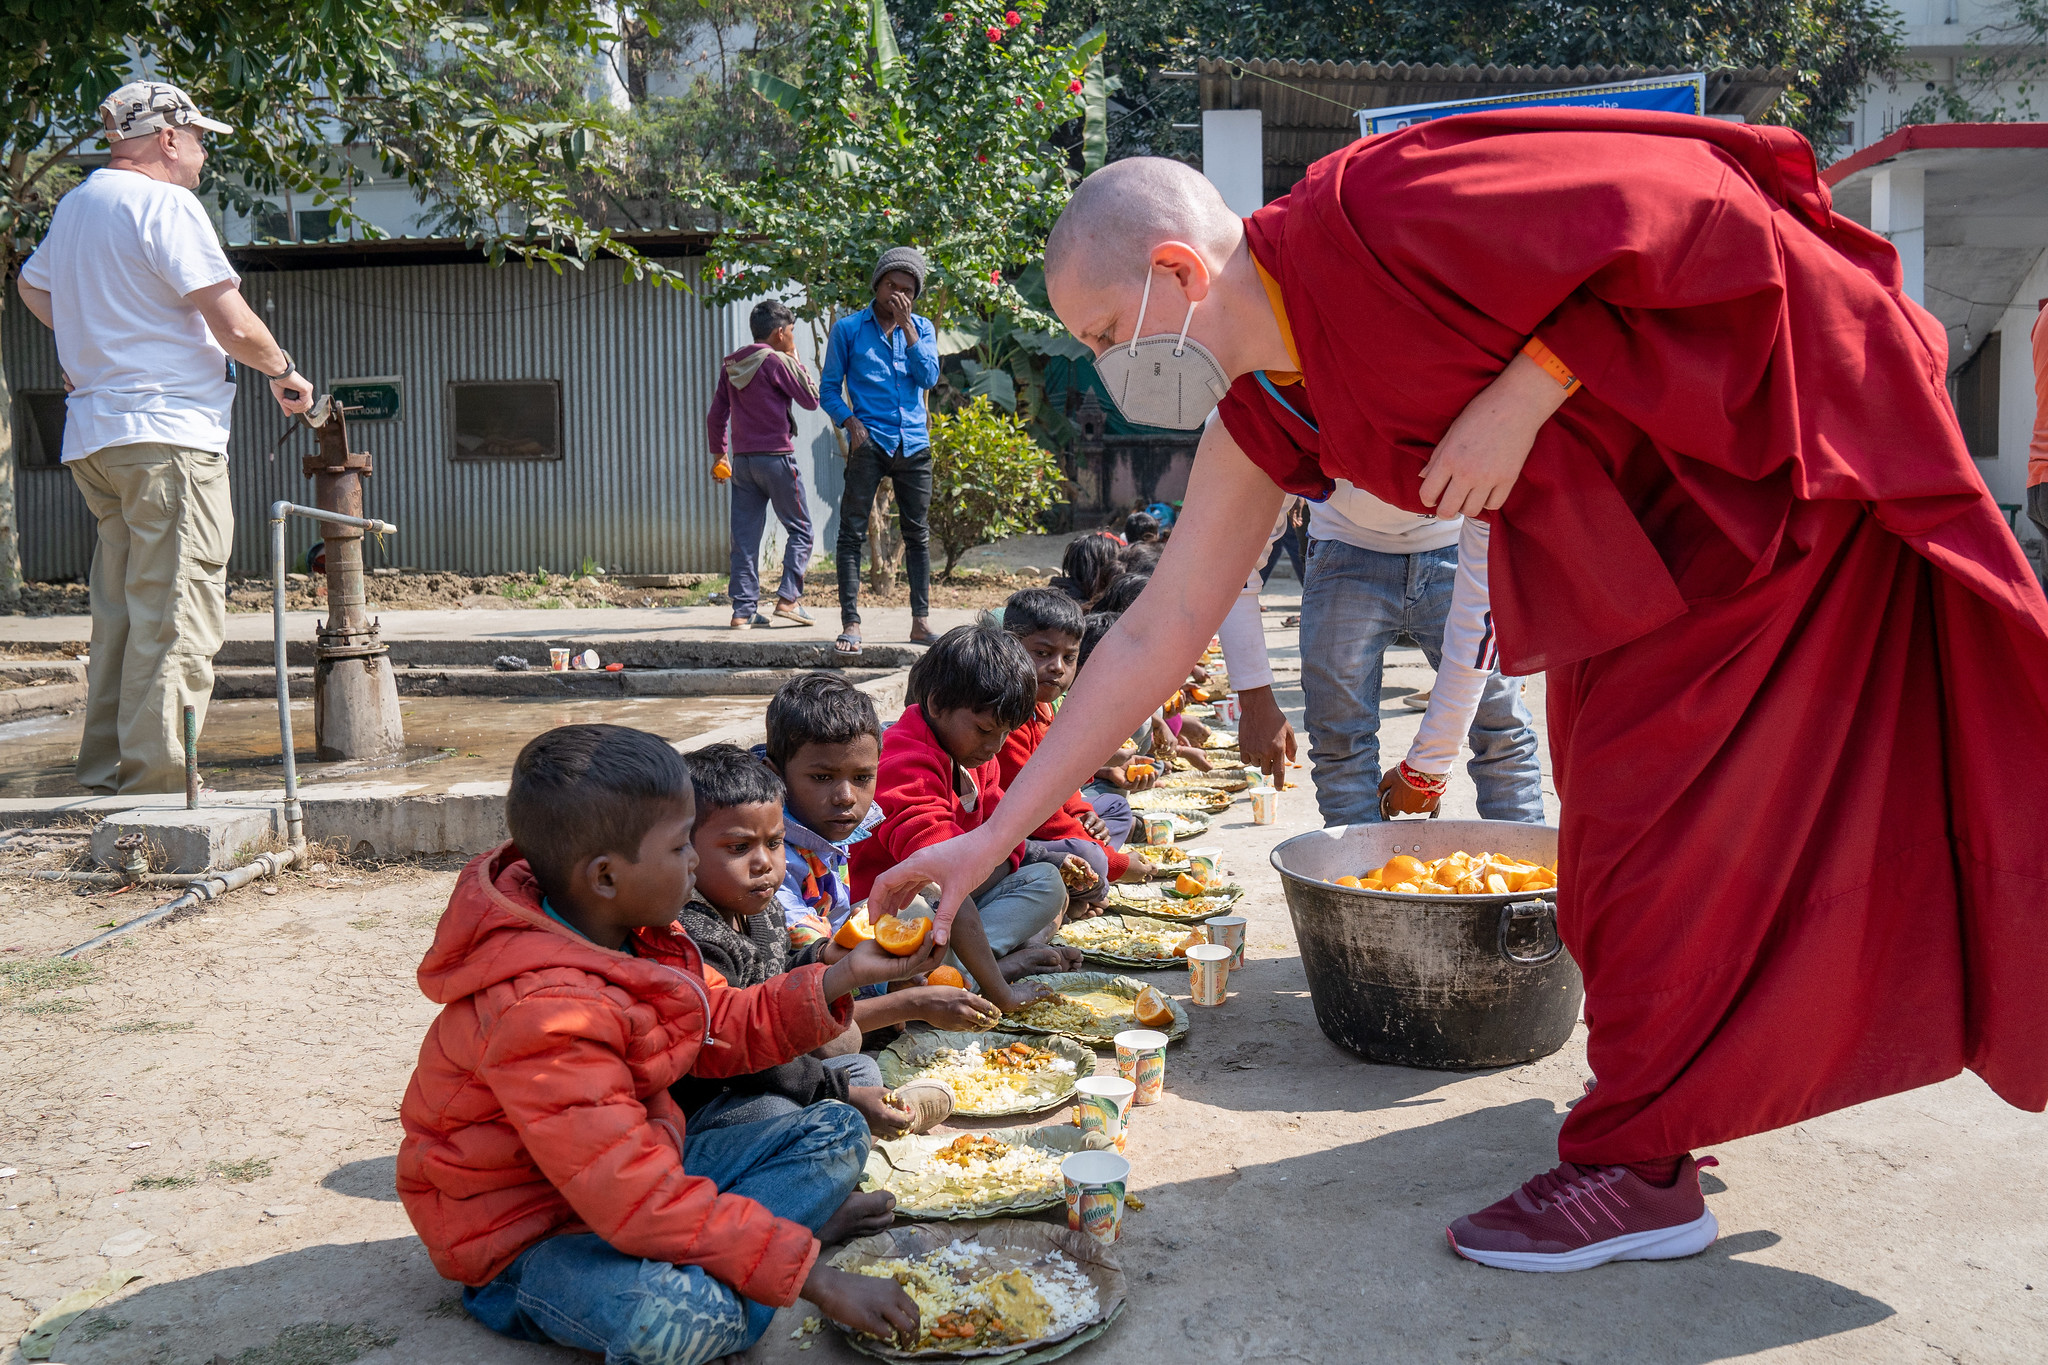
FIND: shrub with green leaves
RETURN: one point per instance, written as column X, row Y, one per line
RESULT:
column 989, row 479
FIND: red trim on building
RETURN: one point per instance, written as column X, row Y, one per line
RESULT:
column 1930, row 136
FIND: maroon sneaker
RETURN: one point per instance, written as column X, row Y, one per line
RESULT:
column 1577, row 1217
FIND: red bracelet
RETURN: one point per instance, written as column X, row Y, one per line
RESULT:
column 1429, row 784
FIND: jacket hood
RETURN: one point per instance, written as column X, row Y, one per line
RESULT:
column 742, row 365
column 800, row 835
column 494, row 930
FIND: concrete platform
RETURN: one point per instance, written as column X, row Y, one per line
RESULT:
column 415, row 680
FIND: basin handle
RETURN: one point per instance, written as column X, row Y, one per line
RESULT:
column 1529, row 910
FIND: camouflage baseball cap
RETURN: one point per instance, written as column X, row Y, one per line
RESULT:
column 142, row 107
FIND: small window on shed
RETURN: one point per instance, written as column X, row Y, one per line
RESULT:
column 505, row 419
column 1974, row 388
column 39, row 428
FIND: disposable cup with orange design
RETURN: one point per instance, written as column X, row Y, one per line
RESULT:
column 1141, row 1060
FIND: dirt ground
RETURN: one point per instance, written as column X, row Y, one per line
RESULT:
column 1295, row 1195
column 411, row 591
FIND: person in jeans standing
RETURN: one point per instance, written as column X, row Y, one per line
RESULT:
column 878, row 366
column 148, row 314
column 756, row 387
column 1375, row 571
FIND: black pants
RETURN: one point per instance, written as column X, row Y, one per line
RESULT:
column 912, row 475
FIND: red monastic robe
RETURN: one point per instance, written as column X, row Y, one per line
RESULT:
column 1798, row 666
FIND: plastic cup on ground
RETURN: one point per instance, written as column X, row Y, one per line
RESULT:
column 1103, row 1103
column 1141, row 1060
column 1095, row 1184
column 1265, row 805
column 1229, row 711
column 1205, row 865
column 1158, row 829
column 558, row 660
column 1228, row 931
column 1209, row 973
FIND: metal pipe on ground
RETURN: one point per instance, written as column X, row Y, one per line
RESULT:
column 191, row 759
column 106, row 878
column 212, row 886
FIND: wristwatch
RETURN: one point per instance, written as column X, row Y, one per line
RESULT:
column 285, row 373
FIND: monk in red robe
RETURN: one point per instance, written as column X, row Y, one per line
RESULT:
column 1798, row 667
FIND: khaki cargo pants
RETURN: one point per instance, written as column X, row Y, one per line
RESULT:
column 159, row 608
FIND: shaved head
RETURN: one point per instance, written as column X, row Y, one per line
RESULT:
column 1121, row 212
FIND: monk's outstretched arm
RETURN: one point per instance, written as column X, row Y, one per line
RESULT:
column 1221, row 534
column 1482, row 452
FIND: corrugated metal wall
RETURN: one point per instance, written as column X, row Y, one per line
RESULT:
column 637, row 365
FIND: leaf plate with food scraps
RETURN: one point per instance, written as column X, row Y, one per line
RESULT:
column 1165, row 903
column 1139, row 942
column 1006, row 1292
column 1161, row 860
column 977, row 1175
column 1092, row 1008
column 1224, row 779
column 1180, row 801
column 993, row 1075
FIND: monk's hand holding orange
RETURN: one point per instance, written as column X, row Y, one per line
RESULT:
column 1482, row 453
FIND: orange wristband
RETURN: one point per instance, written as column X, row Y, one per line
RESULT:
column 1552, row 366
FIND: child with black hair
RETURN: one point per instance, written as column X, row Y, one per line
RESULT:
column 1141, row 528
column 1122, row 591
column 545, row 1165
column 939, row 777
column 1087, row 566
column 733, row 919
column 1049, row 625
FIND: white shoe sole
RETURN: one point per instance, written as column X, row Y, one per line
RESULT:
column 1658, row 1244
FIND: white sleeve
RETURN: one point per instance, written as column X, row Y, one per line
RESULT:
column 1243, row 633
column 179, row 244
column 1468, row 659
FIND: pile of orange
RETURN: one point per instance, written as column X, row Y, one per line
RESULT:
column 1458, row 874
column 899, row 936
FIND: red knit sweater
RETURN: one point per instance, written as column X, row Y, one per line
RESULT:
column 920, row 805
column 1065, row 823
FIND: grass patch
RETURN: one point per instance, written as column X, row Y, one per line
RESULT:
column 316, row 1343
column 40, row 974
column 241, row 1172
column 92, row 1328
column 61, row 1005
column 164, row 1182
column 450, row 1307
column 151, row 1026
column 365, row 924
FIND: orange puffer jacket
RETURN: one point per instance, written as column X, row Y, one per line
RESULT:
column 540, row 1103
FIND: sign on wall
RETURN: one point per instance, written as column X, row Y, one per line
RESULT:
column 379, row 397
column 1681, row 94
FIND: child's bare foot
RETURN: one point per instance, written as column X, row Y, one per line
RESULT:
column 861, row 1214
column 1030, row 960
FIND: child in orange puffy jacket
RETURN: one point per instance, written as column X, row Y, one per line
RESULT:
column 544, row 1164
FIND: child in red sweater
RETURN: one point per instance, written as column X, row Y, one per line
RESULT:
column 939, row 778
column 1049, row 625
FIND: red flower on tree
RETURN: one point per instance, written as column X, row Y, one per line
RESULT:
column 995, row 35
column 1012, row 18
column 1073, row 87
column 946, row 18
column 995, row 277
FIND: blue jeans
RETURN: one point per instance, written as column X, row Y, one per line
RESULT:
column 577, row 1291
column 1353, row 603
column 758, row 483
column 730, row 1110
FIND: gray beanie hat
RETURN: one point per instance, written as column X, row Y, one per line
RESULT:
column 907, row 259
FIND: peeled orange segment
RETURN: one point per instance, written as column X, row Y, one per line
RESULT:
column 1352, row 882
column 1193, row 940
column 1152, row 1010
column 901, row 936
column 945, row 976
column 1190, row 886
column 1401, row 868
column 854, row 931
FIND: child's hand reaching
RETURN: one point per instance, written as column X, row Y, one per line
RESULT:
column 870, row 965
column 950, row 1007
column 1095, row 829
column 1079, row 877
column 884, row 1119
column 865, row 1303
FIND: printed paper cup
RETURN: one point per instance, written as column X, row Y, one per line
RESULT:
column 1158, row 828
column 1141, row 1060
column 1205, row 865
column 1265, row 805
column 558, row 660
column 1228, row 930
column 1208, row 972
column 1102, row 1103
column 1095, row 1183
column 1228, row 711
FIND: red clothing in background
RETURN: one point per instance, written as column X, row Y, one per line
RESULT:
column 540, row 1104
column 1798, row 667
column 1064, row 823
column 2037, row 449
column 921, row 804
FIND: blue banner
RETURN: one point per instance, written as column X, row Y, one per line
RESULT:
column 1683, row 94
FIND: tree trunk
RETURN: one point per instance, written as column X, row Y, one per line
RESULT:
column 10, row 543
column 885, row 540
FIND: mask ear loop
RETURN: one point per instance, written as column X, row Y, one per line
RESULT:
column 1181, row 344
column 1138, row 327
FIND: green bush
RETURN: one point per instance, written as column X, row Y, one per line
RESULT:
column 989, row 478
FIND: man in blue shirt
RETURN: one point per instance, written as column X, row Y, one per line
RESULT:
column 878, row 365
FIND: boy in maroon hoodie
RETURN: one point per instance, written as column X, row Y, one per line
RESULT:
column 545, row 1165
column 756, row 386
column 939, row 777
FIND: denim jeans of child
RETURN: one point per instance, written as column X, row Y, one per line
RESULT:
column 1353, row 604
column 730, row 1110
column 577, row 1291
column 912, row 476
column 758, row 483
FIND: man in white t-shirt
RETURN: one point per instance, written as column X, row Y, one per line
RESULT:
column 147, row 313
